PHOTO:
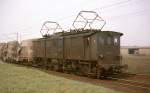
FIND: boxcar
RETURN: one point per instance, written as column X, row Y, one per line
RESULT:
column 2, row 46
column 30, row 50
column 12, row 48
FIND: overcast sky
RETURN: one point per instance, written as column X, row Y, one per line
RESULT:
column 131, row 17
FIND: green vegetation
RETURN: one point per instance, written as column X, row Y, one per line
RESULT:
column 16, row 79
column 137, row 64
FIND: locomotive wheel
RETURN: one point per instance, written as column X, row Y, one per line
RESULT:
column 84, row 70
column 55, row 67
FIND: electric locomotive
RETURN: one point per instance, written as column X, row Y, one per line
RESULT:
column 84, row 50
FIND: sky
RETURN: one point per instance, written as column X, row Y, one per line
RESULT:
column 24, row 18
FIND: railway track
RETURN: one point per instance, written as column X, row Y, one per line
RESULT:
column 145, row 86
column 135, row 83
column 127, row 85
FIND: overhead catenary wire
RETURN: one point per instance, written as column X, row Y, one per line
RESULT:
column 114, row 4
column 9, row 37
column 103, row 7
column 130, row 14
column 106, row 6
column 112, row 18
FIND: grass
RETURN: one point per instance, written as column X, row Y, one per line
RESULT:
column 16, row 79
column 138, row 64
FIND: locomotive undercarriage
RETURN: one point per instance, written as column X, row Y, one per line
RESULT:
column 77, row 67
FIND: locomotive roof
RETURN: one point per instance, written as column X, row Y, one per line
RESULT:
column 88, row 32
column 77, row 33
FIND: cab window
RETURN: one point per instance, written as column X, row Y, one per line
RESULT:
column 116, row 41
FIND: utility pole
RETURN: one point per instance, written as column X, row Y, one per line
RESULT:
column 17, row 36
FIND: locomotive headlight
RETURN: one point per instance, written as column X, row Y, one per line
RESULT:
column 101, row 56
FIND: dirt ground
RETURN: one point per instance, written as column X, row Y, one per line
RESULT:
column 138, row 64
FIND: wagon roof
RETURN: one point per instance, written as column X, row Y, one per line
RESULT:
column 31, row 40
column 13, row 42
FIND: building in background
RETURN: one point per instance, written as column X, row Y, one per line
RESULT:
column 135, row 50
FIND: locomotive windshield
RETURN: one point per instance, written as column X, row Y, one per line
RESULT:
column 116, row 41
column 109, row 40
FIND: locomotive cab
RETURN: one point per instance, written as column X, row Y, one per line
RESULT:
column 108, row 50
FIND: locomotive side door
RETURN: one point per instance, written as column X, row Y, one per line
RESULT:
column 87, row 48
column 60, row 47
